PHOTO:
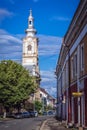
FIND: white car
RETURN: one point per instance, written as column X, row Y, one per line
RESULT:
column 36, row 113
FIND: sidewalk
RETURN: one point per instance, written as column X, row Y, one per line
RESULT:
column 53, row 124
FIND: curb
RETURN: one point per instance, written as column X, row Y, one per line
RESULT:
column 42, row 126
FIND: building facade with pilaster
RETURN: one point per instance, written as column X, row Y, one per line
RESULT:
column 71, row 71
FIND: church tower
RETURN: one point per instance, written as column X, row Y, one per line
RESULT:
column 30, row 48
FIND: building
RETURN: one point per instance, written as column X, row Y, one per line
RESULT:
column 46, row 99
column 30, row 56
column 30, row 48
column 71, row 71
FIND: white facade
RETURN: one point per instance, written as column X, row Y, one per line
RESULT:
column 30, row 48
column 47, row 100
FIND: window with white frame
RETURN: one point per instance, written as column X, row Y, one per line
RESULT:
column 82, row 56
column 67, row 79
column 63, row 80
column 75, row 63
column 72, row 68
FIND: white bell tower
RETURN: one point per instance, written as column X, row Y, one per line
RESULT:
column 30, row 48
column 31, row 31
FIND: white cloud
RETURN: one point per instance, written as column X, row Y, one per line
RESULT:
column 47, row 77
column 10, row 46
column 57, row 18
column 47, row 73
column 48, row 81
column 49, row 45
column 3, row 32
column 51, row 91
column 5, row 13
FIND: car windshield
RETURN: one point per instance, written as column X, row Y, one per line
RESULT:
column 25, row 112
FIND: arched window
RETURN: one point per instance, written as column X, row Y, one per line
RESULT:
column 30, row 22
column 29, row 47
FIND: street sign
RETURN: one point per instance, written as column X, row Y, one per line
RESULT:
column 77, row 94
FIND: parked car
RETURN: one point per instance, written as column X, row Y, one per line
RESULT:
column 25, row 114
column 9, row 115
column 33, row 113
column 50, row 112
column 44, row 113
column 18, row 115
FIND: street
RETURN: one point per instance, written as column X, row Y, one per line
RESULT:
column 23, row 124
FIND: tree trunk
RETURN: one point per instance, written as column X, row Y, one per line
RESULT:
column 4, row 115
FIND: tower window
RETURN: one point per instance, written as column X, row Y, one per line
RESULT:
column 30, row 22
column 29, row 47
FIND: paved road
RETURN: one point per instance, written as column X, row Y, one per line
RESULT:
column 23, row 124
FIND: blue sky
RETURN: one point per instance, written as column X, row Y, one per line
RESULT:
column 52, row 19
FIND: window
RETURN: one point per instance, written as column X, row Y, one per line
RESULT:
column 82, row 57
column 30, row 22
column 40, row 95
column 29, row 47
column 72, row 68
column 75, row 63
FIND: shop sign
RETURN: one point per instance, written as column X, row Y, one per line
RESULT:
column 77, row 94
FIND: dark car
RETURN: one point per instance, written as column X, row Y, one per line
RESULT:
column 33, row 113
column 50, row 113
column 18, row 115
column 9, row 115
column 44, row 113
column 25, row 114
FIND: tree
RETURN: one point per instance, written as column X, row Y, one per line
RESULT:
column 15, row 84
column 49, row 107
column 38, row 105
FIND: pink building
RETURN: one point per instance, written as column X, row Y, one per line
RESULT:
column 71, row 71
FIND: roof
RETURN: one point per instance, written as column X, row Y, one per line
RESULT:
column 44, row 91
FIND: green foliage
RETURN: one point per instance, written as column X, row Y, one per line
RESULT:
column 15, row 83
column 38, row 105
column 49, row 107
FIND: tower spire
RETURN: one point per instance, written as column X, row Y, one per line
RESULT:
column 30, row 31
column 30, row 12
